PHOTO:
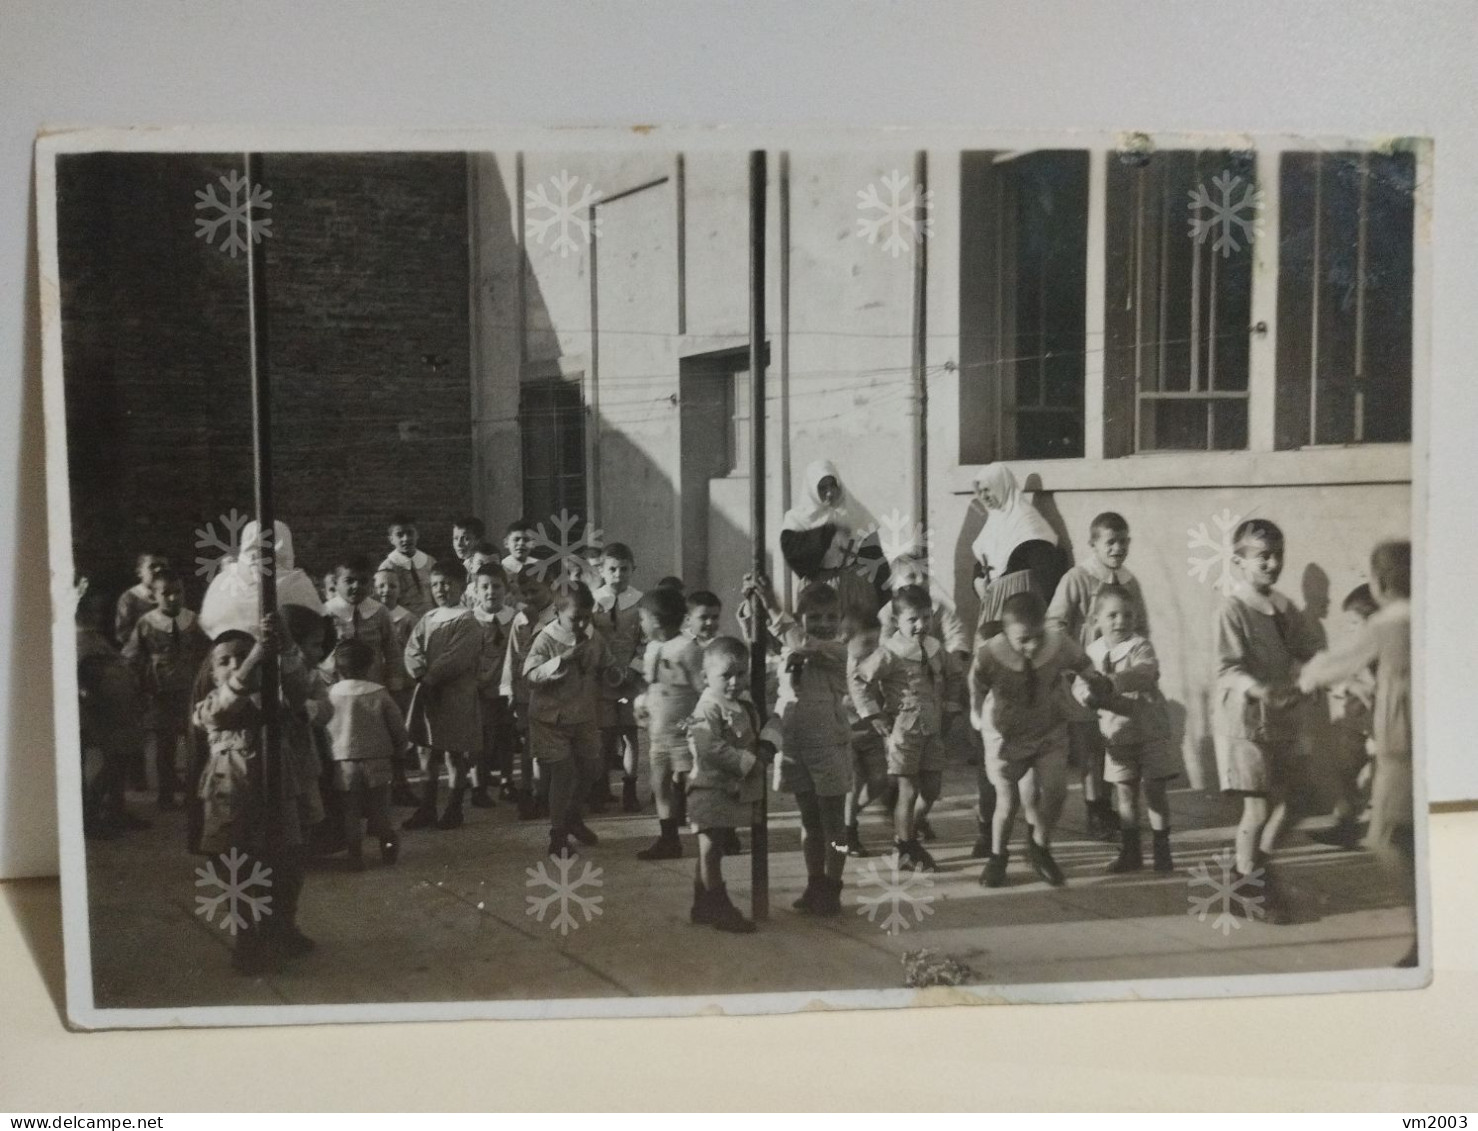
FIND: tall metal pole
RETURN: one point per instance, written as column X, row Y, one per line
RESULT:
column 261, row 430
column 921, row 346
column 759, row 830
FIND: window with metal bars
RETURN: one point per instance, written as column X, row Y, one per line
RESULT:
column 1344, row 298
column 1178, row 300
column 552, row 422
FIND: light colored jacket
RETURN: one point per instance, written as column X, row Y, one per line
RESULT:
column 370, row 623
column 1137, row 713
column 1020, row 702
column 674, row 676
column 366, row 725
column 722, row 737
column 617, row 619
column 442, row 656
column 1260, row 641
column 909, row 683
column 1071, row 610
column 522, row 630
column 564, row 685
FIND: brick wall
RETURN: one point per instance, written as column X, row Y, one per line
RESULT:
column 367, row 279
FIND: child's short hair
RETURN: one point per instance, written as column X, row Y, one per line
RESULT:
column 914, row 597
column 726, row 648
column 1261, row 529
column 670, row 582
column 618, row 552
column 400, row 520
column 667, row 605
column 1390, row 564
column 817, row 597
column 1025, row 609
column 473, row 525
column 703, row 599
column 1359, row 599
column 1112, row 591
column 306, row 626
column 494, row 570
column 518, row 526
column 441, row 569
column 233, row 636
column 352, row 563
column 353, row 659
column 1111, row 522
column 575, row 595
column 146, row 555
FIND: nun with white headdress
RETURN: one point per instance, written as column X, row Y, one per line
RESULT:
column 817, row 541
column 232, row 604
column 233, row 599
column 1016, row 551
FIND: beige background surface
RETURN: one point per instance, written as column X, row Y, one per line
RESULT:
column 1411, row 1051
column 1356, row 68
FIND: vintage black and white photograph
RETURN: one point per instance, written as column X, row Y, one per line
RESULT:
column 595, row 573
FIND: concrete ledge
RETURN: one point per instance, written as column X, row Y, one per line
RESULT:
column 1306, row 467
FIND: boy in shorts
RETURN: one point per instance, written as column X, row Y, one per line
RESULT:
column 1019, row 705
column 1135, row 727
column 672, row 665
column 901, row 691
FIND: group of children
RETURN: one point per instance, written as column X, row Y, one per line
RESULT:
column 534, row 681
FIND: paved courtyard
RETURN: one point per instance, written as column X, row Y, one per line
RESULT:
column 453, row 920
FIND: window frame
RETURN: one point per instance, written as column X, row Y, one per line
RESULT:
column 568, row 387
column 1138, row 232
column 1108, row 464
column 1304, row 373
column 991, row 357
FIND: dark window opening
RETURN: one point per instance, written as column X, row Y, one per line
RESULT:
column 1023, row 294
column 552, row 418
column 1344, row 298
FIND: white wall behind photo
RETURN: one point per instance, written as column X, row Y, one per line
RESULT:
column 1357, row 69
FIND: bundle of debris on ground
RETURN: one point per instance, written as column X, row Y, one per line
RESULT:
column 931, row 968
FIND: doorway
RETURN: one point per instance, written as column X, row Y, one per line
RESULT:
column 714, row 421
